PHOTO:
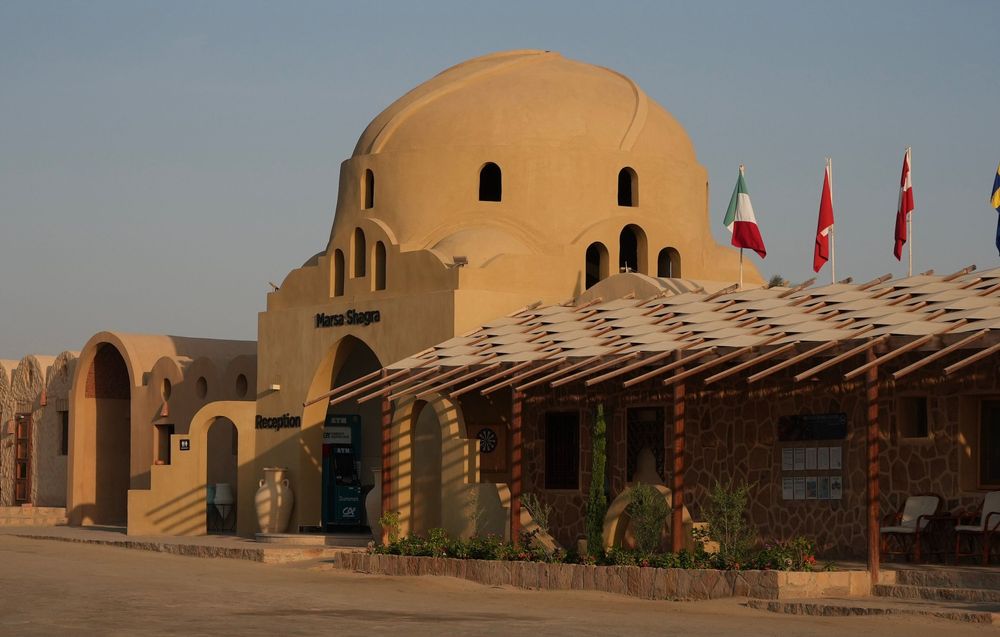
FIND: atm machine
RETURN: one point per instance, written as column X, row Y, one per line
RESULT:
column 342, row 501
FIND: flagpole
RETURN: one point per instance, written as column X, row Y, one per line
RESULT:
column 909, row 215
column 833, row 251
column 741, row 268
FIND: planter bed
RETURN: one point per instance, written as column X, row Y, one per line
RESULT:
column 634, row 581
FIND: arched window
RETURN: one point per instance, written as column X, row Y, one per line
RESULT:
column 632, row 250
column 490, row 182
column 596, row 263
column 668, row 263
column 368, row 190
column 338, row 272
column 379, row 265
column 628, row 187
column 360, row 253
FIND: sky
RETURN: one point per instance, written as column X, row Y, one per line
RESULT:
column 161, row 162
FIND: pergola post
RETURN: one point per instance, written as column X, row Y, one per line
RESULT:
column 677, row 512
column 871, row 385
column 516, row 419
column 386, row 460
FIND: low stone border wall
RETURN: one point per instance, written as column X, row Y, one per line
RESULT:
column 634, row 581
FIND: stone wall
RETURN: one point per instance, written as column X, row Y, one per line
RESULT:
column 634, row 581
column 731, row 437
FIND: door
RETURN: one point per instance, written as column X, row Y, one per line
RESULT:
column 22, row 459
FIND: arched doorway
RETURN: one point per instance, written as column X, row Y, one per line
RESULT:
column 632, row 250
column 109, row 393
column 426, row 505
column 221, row 477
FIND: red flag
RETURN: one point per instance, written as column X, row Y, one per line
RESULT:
column 905, row 206
column 821, row 252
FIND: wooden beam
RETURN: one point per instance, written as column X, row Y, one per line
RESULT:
column 416, row 389
column 336, row 390
column 386, row 463
column 544, row 379
column 642, row 363
column 939, row 354
column 597, row 368
column 874, row 282
column 899, row 351
column 874, row 535
column 797, row 288
column 388, row 389
column 804, row 355
column 336, row 400
column 989, row 351
column 677, row 495
column 503, row 372
column 954, row 275
column 669, row 367
column 527, row 374
column 516, row 468
column 750, row 363
column 725, row 290
column 461, row 379
column 722, row 359
column 836, row 360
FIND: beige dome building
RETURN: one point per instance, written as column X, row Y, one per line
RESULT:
column 508, row 179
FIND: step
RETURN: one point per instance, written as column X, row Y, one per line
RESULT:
column 949, row 577
column 39, row 520
column 31, row 511
column 315, row 539
column 937, row 593
column 871, row 606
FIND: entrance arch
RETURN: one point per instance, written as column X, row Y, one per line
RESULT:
column 222, row 463
column 349, row 359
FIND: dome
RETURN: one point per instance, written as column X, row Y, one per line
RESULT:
column 526, row 98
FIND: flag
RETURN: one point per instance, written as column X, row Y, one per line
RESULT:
column 741, row 221
column 821, row 252
column 995, row 201
column 905, row 206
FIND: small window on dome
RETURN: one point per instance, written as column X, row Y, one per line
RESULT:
column 490, row 183
column 668, row 263
column 596, row 267
column 359, row 253
column 628, row 187
column 379, row 265
column 369, row 189
column 632, row 250
column 338, row 272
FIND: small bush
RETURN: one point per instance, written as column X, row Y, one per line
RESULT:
column 648, row 512
column 390, row 521
column 725, row 513
column 539, row 511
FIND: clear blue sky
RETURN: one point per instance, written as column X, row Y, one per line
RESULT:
column 160, row 162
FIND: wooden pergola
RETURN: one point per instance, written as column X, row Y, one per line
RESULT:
column 700, row 338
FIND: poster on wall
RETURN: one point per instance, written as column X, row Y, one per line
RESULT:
column 823, row 459
column 811, row 488
column 836, row 458
column 800, row 459
column 836, row 488
column 787, row 459
column 799, row 488
column 787, row 489
column 824, row 488
column 810, row 458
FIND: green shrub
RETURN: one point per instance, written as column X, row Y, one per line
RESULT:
column 539, row 511
column 648, row 512
column 726, row 515
column 796, row 554
column 390, row 521
column 597, row 503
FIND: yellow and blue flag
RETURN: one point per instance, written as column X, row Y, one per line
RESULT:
column 995, row 201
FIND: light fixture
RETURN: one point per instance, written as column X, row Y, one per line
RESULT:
column 458, row 261
column 274, row 387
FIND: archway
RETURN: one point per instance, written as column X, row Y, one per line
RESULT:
column 108, row 395
column 632, row 250
column 426, row 507
column 595, row 264
column 221, row 475
column 668, row 263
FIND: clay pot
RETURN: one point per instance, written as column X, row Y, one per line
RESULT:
column 373, row 505
column 273, row 501
column 223, row 497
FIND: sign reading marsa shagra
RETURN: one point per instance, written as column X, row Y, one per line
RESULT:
column 350, row 317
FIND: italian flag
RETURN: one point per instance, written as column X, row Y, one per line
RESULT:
column 741, row 221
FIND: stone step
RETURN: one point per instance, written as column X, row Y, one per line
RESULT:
column 944, row 577
column 19, row 511
column 937, row 593
column 984, row 613
column 20, row 520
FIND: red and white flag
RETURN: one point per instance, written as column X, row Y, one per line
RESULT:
column 905, row 206
column 821, row 252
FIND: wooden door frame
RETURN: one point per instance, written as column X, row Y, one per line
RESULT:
column 18, row 420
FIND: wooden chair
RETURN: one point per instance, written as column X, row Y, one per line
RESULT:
column 985, row 528
column 903, row 530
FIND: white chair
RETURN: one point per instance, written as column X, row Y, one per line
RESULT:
column 907, row 526
column 985, row 529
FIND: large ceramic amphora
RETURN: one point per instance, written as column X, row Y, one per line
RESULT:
column 273, row 501
column 373, row 505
